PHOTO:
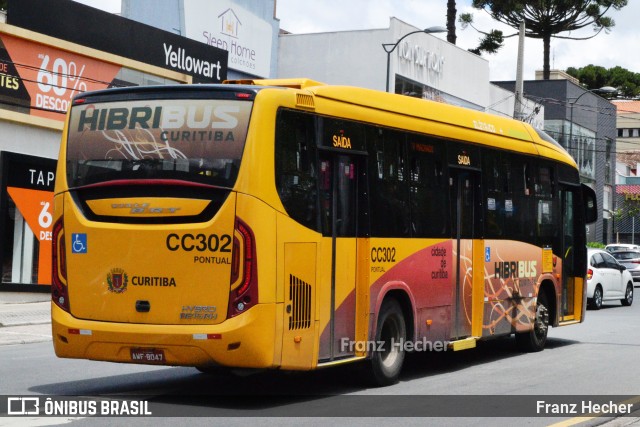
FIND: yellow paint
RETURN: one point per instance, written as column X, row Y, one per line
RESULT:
column 300, row 289
column 547, row 260
column 362, row 292
column 463, row 344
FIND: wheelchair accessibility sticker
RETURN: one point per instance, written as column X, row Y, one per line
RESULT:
column 78, row 243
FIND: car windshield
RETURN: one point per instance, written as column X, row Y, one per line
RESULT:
column 621, row 256
column 615, row 248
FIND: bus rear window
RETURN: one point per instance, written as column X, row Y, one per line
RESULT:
column 192, row 140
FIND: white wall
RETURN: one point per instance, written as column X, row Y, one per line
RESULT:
column 357, row 58
column 31, row 140
column 353, row 58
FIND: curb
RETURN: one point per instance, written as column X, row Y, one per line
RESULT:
column 22, row 314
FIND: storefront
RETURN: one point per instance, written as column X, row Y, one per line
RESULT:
column 26, row 212
column 44, row 63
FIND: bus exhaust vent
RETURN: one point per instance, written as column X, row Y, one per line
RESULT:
column 299, row 308
column 305, row 101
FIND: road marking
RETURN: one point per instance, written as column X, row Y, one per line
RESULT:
column 578, row 420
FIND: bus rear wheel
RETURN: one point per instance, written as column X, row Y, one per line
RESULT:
column 391, row 334
column 535, row 339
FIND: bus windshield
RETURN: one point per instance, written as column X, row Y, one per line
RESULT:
column 169, row 139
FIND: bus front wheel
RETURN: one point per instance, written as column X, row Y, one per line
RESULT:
column 535, row 339
column 391, row 334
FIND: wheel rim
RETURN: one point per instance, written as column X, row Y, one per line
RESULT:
column 390, row 336
column 598, row 297
column 629, row 295
column 542, row 321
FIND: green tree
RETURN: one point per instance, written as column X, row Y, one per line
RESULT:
column 546, row 19
column 491, row 42
column 594, row 77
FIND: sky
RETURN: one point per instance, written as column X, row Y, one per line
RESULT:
column 618, row 48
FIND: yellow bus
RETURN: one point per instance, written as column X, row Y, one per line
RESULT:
column 289, row 224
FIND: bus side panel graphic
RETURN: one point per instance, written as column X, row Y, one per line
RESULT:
column 513, row 272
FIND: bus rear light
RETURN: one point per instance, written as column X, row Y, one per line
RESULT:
column 75, row 331
column 589, row 274
column 244, row 272
column 207, row 336
column 235, row 261
column 59, row 290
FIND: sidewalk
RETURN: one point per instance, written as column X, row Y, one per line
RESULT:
column 24, row 317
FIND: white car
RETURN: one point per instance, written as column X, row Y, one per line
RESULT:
column 607, row 280
column 614, row 247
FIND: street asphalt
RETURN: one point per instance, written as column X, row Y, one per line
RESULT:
column 26, row 318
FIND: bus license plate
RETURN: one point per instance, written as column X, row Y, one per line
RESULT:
column 148, row 355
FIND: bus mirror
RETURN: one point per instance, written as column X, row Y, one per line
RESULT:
column 590, row 204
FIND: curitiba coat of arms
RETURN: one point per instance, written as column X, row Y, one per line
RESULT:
column 117, row 280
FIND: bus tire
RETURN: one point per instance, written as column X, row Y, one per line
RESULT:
column 391, row 334
column 535, row 339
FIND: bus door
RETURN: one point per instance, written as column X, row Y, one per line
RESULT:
column 341, row 184
column 568, row 296
column 465, row 214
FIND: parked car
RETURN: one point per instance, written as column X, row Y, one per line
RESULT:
column 614, row 247
column 631, row 260
column 607, row 280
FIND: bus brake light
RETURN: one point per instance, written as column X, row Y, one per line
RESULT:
column 59, row 290
column 243, row 270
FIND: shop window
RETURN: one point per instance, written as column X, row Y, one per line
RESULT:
column 27, row 207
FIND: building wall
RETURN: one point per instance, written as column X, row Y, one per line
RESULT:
column 358, row 58
column 502, row 103
column 170, row 15
column 31, row 140
column 628, row 118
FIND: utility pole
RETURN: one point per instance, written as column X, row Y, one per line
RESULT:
column 518, row 113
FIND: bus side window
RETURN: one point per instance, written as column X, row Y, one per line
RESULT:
column 495, row 178
column 390, row 213
column 295, row 159
column 426, row 188
column 547, row 206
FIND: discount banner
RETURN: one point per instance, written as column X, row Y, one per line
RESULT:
column 51, row 76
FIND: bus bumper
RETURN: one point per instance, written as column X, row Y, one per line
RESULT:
column 243, row 341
